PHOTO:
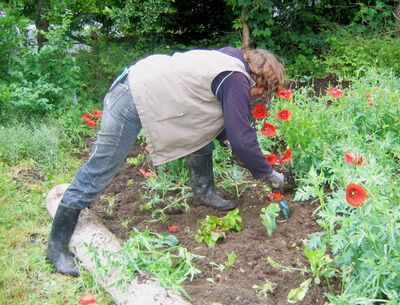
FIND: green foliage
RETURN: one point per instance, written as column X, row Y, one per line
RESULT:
column 10, row 39
column 72, row 128
column 297, row 294
column 39, row 143
column 364, row 241
column 38, row 82
column 320, row 264
column 136, row 18
column 171, row 178
column 348, row 54
column 376, row 15
column 158, row 254
column 268, row 217
column 213, row 228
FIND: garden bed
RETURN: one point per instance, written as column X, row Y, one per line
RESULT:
column 252, row 246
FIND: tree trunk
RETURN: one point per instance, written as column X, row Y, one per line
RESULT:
column 396, row 15
column 245, row 35
column 41, row 22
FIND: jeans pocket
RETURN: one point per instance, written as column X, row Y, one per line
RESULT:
column 115, row 95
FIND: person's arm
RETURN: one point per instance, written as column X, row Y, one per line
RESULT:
column 233, row 90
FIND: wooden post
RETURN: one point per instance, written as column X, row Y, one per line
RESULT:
column 90, row 231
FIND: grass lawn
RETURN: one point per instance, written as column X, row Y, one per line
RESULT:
column 26, row 275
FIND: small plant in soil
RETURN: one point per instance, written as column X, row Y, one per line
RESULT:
column 164, row 194
column 110, row 203
column 268, row 217
column 320, row 266
column 214, row 228
column 265, row 289
column 229, row 263
column 135, row 161
column 234, row 177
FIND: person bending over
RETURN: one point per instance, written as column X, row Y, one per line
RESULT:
column 182, row 102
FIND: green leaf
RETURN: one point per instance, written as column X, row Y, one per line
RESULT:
column 268, row 217
column 169, row 240
column 297, row 294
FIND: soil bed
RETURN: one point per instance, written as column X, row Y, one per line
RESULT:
column 252, row 246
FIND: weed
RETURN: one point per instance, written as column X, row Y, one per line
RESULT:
column 265, row 289
column 110, row 203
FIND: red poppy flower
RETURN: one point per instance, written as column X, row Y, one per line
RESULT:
column 335, row 92
column 272, row 159
column 87, row 299
column 145, row 173
column 91, row 123
column 172, row 229
column 283, row 115
column 355, row 195
column 353, row 159
column 268, row 130
column 284, row 94
column 349, row 157
column 86, row 117
column 275, row 196
column 286, row 156
column 259, row 111
column 97, row 113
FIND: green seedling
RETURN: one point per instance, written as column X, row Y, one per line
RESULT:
column 265, row 289
column 135, row 161
column 268, row 217
column 214, row 228
column 230, row 261
column 110, row 203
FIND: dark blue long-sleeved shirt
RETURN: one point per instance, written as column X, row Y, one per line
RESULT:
column 233, row 90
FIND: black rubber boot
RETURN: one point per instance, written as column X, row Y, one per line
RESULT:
column 57, row 249
column 202, row 183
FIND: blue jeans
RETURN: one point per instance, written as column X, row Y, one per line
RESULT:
column 120, row 126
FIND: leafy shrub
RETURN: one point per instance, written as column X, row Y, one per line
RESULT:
column 38, row 82
column 348, row 54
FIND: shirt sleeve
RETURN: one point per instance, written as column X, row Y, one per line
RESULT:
column 233, row 90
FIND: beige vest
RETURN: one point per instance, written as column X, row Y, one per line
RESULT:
column 178, row 111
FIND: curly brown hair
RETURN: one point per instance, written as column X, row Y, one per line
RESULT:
column 267, row 69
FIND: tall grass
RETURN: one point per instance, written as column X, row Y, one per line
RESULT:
column 38, row 143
